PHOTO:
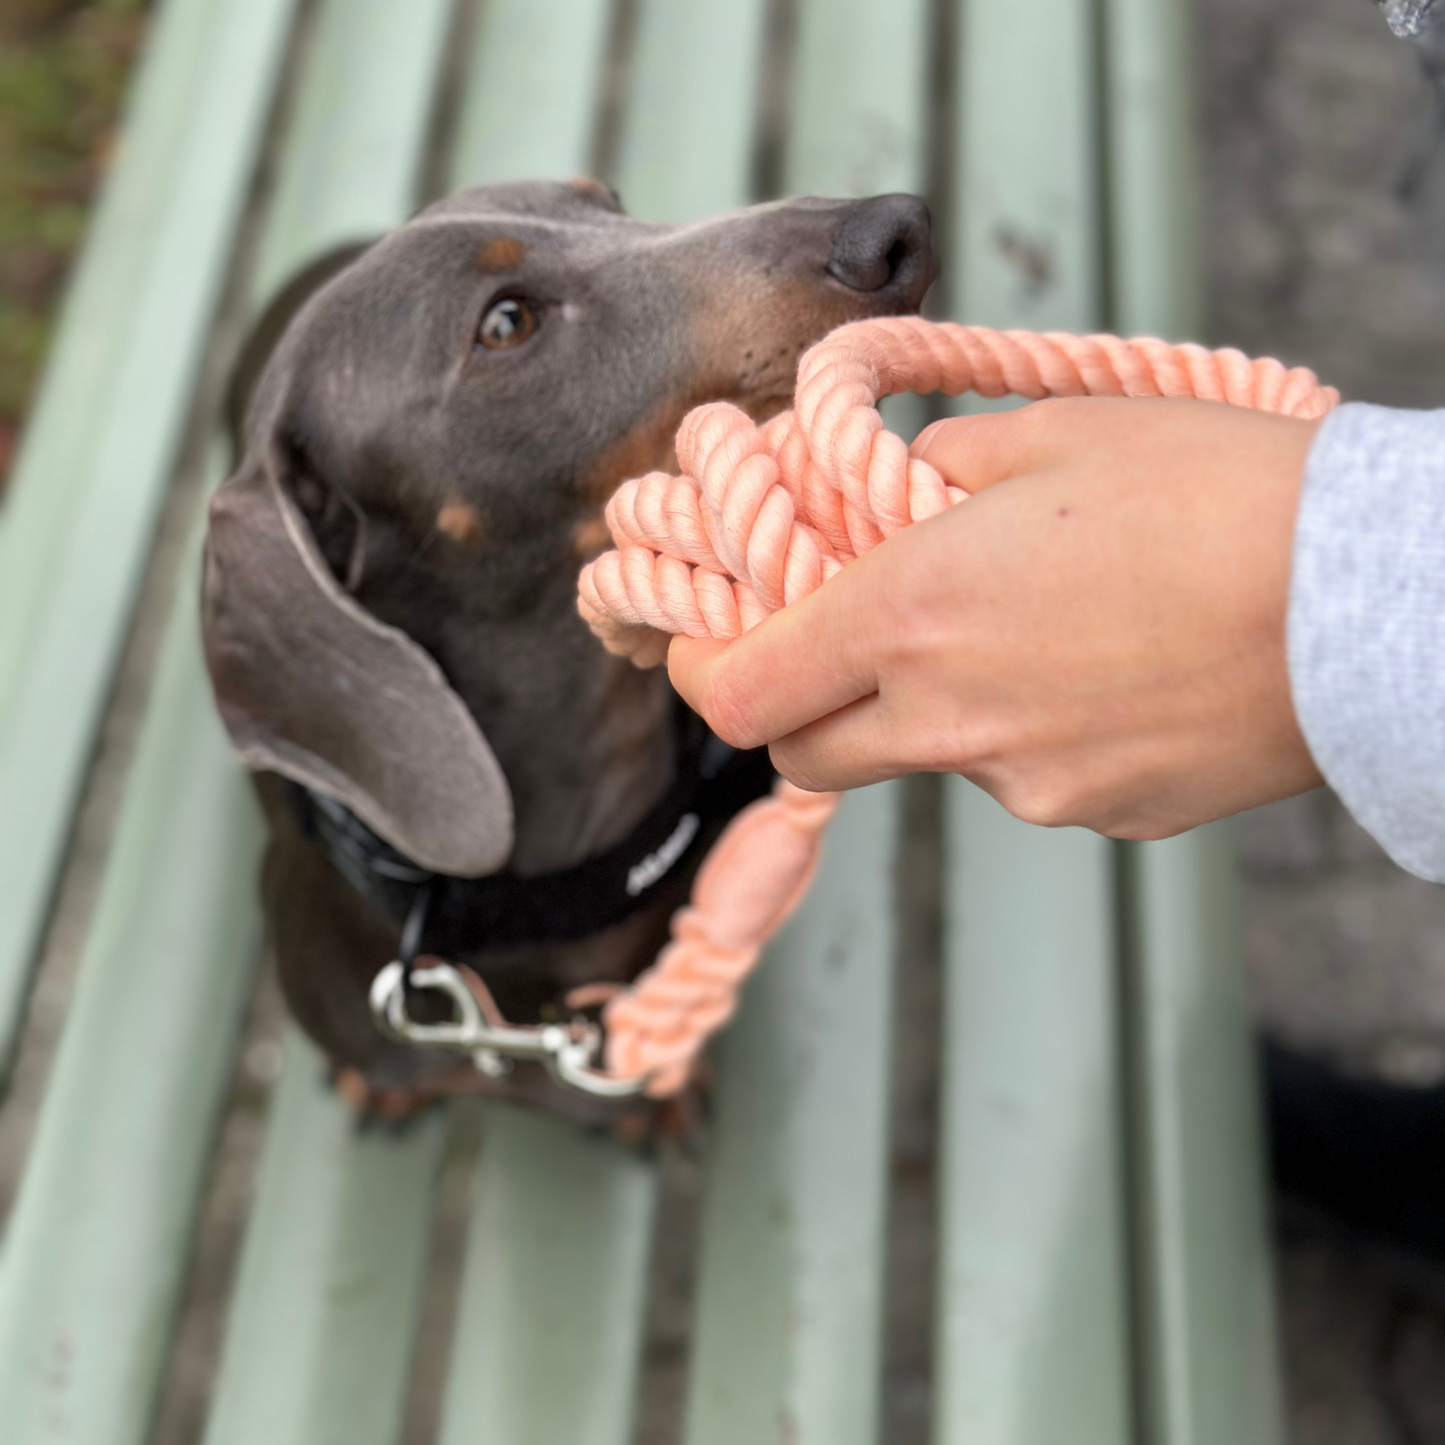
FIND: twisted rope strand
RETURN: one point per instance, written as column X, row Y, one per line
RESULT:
column 761, row 517
column 764, row 515
column 756, row 874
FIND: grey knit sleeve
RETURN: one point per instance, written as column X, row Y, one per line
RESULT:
column 1366, row 627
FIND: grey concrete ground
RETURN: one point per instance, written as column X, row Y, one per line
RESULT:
column 1325, row 197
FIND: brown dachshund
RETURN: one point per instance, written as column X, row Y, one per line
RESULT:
column 435, row 425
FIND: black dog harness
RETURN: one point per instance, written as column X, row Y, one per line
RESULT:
column 445, row 917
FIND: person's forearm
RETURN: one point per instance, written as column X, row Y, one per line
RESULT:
column 1366, row 626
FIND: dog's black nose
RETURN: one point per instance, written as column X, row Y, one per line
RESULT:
column 885, row 244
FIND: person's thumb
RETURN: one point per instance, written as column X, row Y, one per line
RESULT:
column 974, row 452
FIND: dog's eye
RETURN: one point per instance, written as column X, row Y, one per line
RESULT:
column 508, row 323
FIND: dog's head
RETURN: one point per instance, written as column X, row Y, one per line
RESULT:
column 389, row 596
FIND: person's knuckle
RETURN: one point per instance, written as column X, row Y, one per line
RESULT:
column 1127, row 828
column 941, row 749
column 971, row 743
column 1030, row 805
column 1044, row 802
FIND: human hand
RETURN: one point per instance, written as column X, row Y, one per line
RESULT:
column 1096, row 638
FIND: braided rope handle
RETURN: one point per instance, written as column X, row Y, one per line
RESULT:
column 764, row 515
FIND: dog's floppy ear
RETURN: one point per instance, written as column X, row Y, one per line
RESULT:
column 312, row 686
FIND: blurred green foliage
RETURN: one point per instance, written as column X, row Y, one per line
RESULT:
column 63, row 70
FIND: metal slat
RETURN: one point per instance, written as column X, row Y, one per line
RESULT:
column 532, row 94
column 1027, row 215
column 859, row 98
column 789, row 1306
column 98, row 307
column 858, row 104
column 97, row 1242
column 352, row 159
column 556, row 1267
column 685, row 149
column 1033, row 1339
column 99, row 450
column 549, row 1323
column 1032, row 1343
column 105, row 295
column 330, row 1285
column 788, row 1342
column 1208, row 1345
column 1157, row 282
column 1211, row 1358
column 318, row 1344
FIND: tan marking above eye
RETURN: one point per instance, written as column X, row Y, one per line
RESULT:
column 459, row 521
column 503, row 253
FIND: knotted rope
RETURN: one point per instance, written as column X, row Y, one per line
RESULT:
column 763, row 515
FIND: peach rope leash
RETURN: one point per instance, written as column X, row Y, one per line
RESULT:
column 764, row 515
column 751, row 881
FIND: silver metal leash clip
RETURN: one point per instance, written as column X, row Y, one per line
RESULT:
column 568, row 1051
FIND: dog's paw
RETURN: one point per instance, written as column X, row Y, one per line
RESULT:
column 681, row 1121
column 375, row 1106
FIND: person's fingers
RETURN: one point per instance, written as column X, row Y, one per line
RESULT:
column 974, row 452
column 804, row 662
column 690, row 662
column 921, row 442
column 850, row 748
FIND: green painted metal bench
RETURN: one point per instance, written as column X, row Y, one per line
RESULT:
column 1102, row 1275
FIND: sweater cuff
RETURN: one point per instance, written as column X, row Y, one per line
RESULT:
column 1366, row 631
